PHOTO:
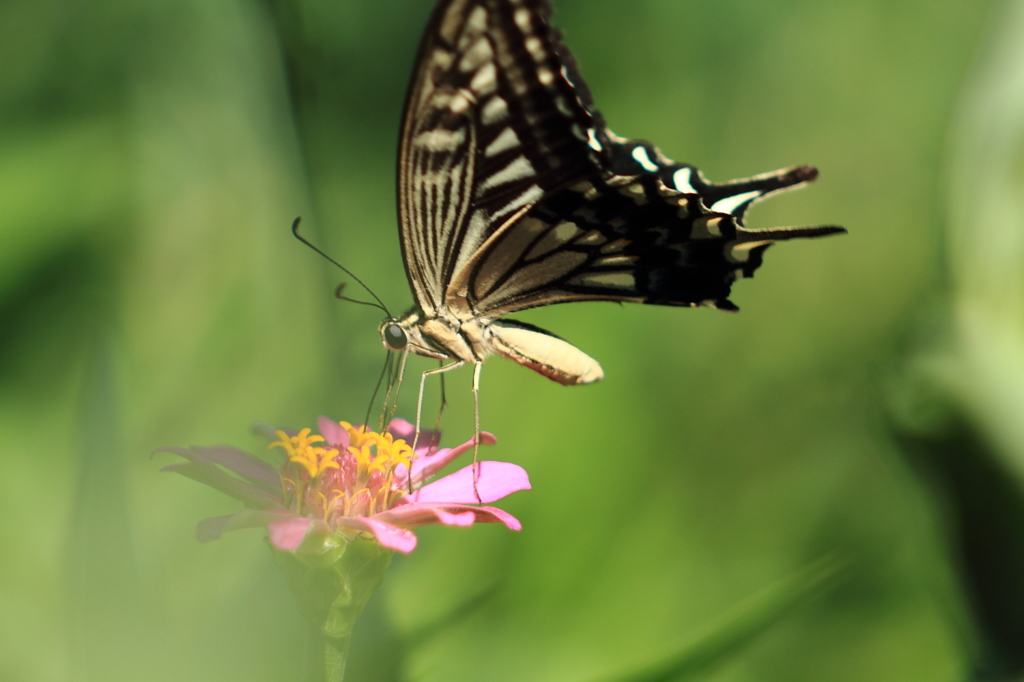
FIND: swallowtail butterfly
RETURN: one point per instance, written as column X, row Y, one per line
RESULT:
column 514, row 194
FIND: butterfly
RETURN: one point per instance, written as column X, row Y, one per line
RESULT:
column 514, row 194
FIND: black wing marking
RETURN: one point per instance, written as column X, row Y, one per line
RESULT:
column 636, row 157
column 633, row 225
column 628, row 238
column 491, row 126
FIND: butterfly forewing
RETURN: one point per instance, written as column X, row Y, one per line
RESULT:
column 491, row 126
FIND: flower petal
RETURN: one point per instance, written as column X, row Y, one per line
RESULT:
column 212, row 528
column 389, row 536
column 288, row 533
column 427, row 465
column 242, row 463
column 463, row 519
column 427, row 442
column 495, row 515
column 495, row 480
column 334, row 433
column 413, row 515
column 211, row 475
column 399, row 428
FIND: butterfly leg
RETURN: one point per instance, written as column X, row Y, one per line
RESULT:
column 442, row 368
column 436, row 438
column 476, row 427
column 391, row 401
column 419, row 402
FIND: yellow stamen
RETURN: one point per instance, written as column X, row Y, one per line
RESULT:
column 358, row 436
column 301, row 451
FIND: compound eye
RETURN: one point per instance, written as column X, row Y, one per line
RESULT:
column 395, row 337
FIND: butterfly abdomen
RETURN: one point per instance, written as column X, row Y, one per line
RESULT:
column 544, row 353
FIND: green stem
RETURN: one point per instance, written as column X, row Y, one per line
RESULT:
column 325, row 656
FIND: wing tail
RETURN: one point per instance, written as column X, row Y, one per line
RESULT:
column 778, row 234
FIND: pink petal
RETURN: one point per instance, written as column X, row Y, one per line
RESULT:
column 495, row 515
column 333, row 432
column 428, row 440
column 463, row 519
column 413, row 515
column 399, row 428
column 495, row 480
column 215, row 477
column 390, row 537
column 287, row 534
column 425, row 467
column 237, row 461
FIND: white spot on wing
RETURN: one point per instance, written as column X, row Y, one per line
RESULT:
column 681, row 179
column 614, row 247
column 523, row 18
column 640, row 154
column 616, row 261
column 565, row 231
column 478, row 19
column 475, row 56
column 442, row 58
column 530, row 196
column 555, row 237
column 592, row 238
column 635, row 192
column 613, row 280
column 562, row 107
column 517, row 170
column 505, row 141
column 730, row 204
column 706, row 228
column 440, row 140
column 441, row 99
column 739, row 252
column 493, row 111
column 485, row 80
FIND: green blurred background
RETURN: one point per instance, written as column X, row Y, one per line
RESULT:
column 791, row 493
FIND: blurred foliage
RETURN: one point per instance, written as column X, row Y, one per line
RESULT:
column 957, row 402
column 152, row 157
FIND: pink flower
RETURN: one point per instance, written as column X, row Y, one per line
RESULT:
column 348, row 482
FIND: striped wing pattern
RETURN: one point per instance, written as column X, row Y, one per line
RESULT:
column 632, row 237
column 514, row 194
column 491, row 126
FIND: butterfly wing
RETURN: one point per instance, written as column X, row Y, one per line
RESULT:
column 628, row 238
column 491, row 127
column 617, row 220
column 514, row 194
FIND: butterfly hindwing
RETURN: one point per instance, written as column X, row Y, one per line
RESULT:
column 632, row 237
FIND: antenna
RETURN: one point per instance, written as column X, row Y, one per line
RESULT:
column 378, row 304
column 341, row 287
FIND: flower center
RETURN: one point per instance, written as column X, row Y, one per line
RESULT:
column 358, row 481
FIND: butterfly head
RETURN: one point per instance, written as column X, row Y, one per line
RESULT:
column 393, row 335
column 405, row 334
